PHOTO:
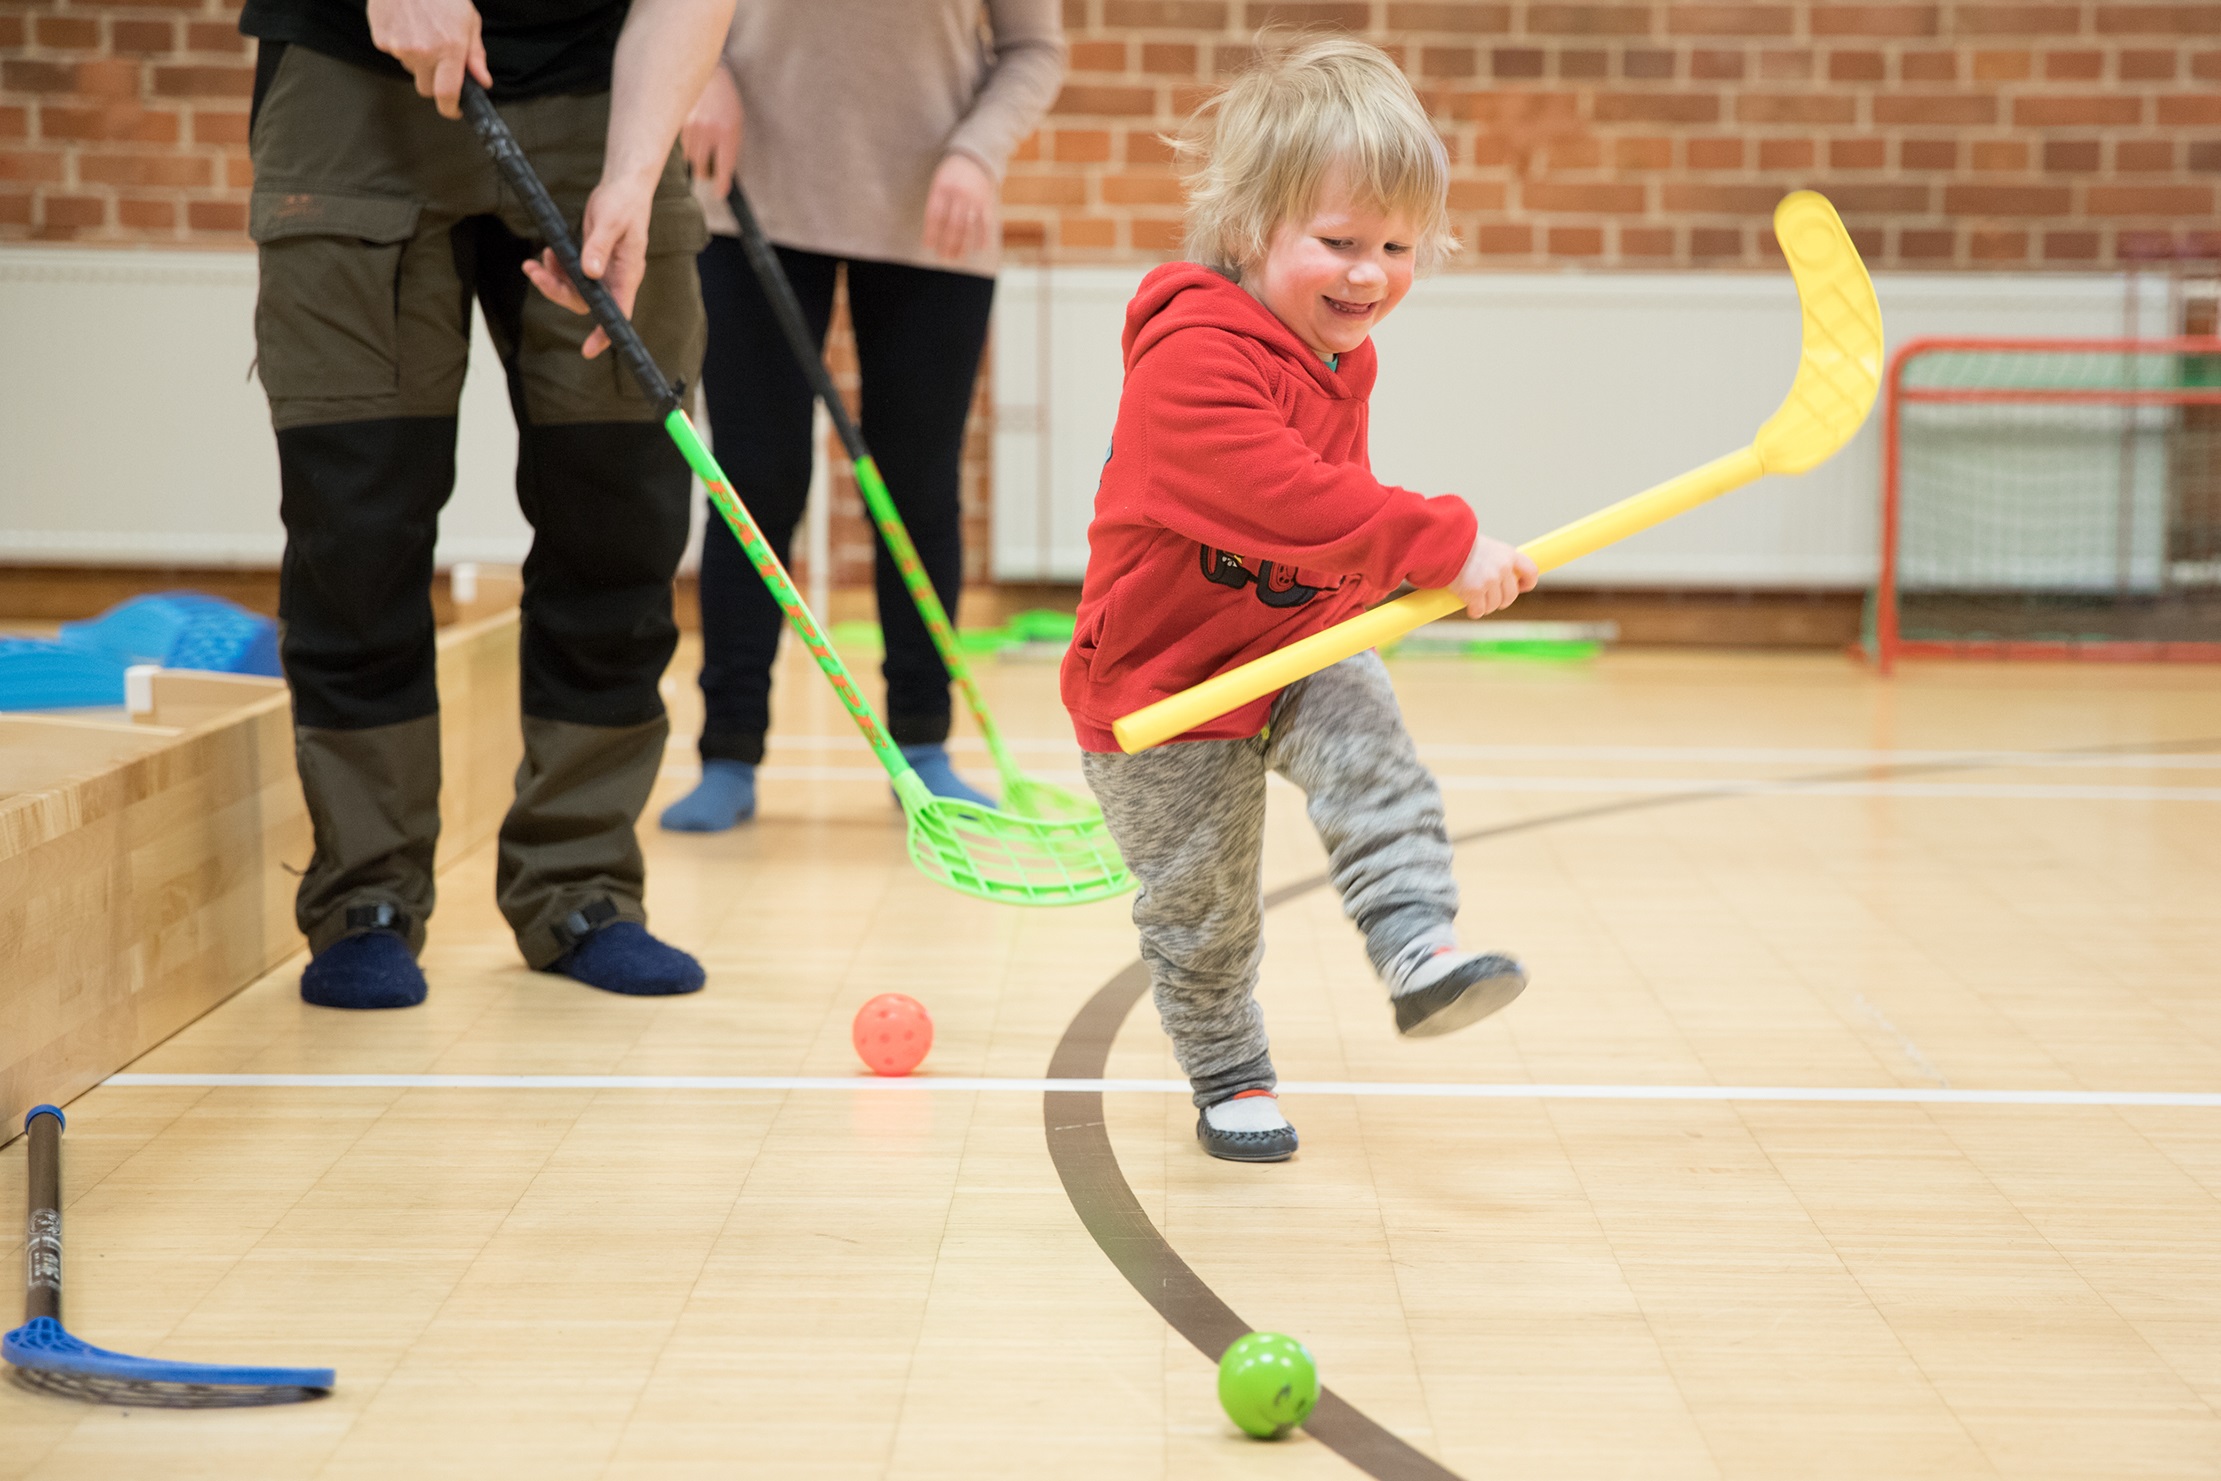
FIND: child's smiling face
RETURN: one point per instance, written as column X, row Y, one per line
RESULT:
column 1334, row 275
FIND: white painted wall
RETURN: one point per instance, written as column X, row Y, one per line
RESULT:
column 1540, row 397
column 131, row 431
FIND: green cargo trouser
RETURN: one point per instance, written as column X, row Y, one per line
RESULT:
column 378, row 223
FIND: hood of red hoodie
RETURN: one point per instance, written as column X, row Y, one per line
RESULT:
column 1187, row 295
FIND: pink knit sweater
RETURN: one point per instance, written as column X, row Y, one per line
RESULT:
column 849, row 106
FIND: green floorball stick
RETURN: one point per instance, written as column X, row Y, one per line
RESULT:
column 1021, row 793
column 981, row 851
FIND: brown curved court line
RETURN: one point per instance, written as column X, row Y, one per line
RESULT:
column 1079, row 1141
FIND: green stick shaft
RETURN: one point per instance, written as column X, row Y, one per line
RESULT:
column 799, row 617
column 891, row 530
column 788, row 311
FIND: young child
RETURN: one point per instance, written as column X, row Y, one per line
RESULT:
column 1238, row 513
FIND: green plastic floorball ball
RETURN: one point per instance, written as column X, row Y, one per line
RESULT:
column 1267, row 1384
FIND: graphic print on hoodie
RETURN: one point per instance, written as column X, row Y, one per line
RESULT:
column 1238, row 511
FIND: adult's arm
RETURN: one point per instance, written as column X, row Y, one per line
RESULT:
column 1030, row 57
column 1023, row 81
column 711, row 134
column 664, row 54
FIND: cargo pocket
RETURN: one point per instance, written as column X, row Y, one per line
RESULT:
column 327, row 317
column 668, row 309
column 676, row 224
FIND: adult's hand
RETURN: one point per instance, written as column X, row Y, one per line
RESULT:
column 711, row 133
column 614, row 250
column 960, row 208
column 438, row 41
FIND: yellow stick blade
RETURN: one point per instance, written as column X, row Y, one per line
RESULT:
column 1840, row 369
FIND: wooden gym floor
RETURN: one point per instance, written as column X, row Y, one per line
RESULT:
column 1770, row 872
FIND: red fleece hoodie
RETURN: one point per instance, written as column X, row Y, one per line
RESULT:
column 1237, row 511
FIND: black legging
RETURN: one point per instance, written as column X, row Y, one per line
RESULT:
column 919, row 334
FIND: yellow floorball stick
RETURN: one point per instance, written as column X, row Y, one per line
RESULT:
column 1837, row 376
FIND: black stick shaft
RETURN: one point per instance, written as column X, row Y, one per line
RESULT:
column 787, row 309
column 42, row 1289
column 509, row 158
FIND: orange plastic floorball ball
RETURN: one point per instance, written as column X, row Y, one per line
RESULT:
column 892, row 1033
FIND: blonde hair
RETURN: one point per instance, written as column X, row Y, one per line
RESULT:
column 1255, row 155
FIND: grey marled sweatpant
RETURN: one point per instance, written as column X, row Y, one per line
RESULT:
column 1190, row 820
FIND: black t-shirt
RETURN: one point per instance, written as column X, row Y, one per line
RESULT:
column 533, row 47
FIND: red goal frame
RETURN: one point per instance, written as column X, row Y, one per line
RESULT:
column 1889, row 646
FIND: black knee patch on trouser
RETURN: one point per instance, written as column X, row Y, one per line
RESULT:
column 608, row 506
column 361, row 504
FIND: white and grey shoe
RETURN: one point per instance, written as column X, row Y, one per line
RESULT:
column 1452, row 990
column 1246, row 1128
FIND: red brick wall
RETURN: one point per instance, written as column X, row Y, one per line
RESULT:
column 124, row 123
column 1980, row 134
column 1977, row 134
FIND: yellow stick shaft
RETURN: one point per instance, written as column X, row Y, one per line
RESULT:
column 1177, row 714
column 1654, row 506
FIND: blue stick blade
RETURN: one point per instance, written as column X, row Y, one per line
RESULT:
column 42, row 1345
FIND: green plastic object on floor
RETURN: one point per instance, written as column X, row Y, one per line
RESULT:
column 1010, row 854
column 1021, row 794
column 1034, row 633
column 1267, row 1384
column 1543, row 642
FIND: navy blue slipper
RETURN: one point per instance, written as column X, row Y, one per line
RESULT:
column 374, row 969
column 622, row 957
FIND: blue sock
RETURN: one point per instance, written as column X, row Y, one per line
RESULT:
column 622, row 957
column 725, row 795
column 373, row 970
column 940, row 778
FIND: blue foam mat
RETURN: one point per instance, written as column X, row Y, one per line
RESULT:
column 36, row 675
column 84, row 665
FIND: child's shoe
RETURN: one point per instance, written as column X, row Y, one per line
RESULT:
column 1449, row 989
column 1247, row 1128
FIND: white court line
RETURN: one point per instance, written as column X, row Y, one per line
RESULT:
column 1831, row 1094
column 1692, row 786
column 1789, row 787
column 1709, row 755
column 1824, row 756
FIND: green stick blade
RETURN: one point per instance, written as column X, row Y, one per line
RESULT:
column 1013, row 860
